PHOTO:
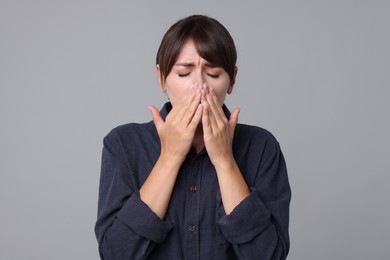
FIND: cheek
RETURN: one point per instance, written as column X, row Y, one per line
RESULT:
column 221, row 91
column 175, row 93
column 221, row 98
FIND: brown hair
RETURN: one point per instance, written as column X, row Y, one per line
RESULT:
column 212, row 41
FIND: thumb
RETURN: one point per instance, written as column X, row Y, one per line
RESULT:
column 157, row 119
column 234, row 118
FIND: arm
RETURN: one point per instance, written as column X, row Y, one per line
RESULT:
column 254, row 220
column 130, row 221
column 176, row 136
column 126, row 228
column 258, row 226
column 218, row 138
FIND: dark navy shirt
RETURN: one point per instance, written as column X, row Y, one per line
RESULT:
column 196, row 225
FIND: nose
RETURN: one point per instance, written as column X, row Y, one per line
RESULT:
column 200, row 77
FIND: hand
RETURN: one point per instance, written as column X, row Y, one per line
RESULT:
column 177, row 132
column 218, row 131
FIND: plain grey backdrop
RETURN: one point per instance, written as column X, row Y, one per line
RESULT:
column 314, row 73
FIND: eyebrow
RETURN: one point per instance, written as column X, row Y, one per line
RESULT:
column 190, row 64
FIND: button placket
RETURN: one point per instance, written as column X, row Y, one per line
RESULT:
column 191, row 228
column 193, row 188
column 192, row 207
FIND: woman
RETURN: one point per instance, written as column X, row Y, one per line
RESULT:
column 192, row 183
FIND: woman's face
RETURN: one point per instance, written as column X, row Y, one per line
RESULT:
column 189, row 69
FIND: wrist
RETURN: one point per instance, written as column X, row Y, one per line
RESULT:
column 172, row 162
column 226, row 164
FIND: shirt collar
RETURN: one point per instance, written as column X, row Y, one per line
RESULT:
column 168, row 106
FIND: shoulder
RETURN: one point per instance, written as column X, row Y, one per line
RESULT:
column 255, row 140
column 131, row 135
column 256, row 134
column 131, row 129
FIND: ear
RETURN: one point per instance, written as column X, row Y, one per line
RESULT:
column 230, row 89
column 160, row 78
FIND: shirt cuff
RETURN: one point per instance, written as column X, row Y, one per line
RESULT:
column 142, row 220
column 246, row 221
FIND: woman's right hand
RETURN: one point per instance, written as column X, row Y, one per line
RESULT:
column 177, row 132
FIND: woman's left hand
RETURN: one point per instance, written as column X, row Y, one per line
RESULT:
column 218, row 131
column 218, row 134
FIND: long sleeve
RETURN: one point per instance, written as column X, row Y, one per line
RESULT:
column 126, row 228
column 196, row 225
column 258, row 226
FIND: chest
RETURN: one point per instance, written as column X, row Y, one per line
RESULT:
column 196, row 197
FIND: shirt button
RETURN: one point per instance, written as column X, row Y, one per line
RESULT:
column 191, row 228
column 193, row 188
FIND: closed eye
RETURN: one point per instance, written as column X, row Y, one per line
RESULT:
column 213, row 75
column 183, row 75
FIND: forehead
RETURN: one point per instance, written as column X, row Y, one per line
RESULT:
column 188, row 51
column 189, row 56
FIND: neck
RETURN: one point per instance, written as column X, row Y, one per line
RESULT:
column 198, row 142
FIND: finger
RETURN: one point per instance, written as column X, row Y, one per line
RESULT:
column 207, row 131
column 211, row 121
column 192, row 109
column 196, row 118
column 186, row 103
column 189, row 105
column 234, row 118
column 216, row 103
column 216, row 119
column 157, row 119
column 211, row 102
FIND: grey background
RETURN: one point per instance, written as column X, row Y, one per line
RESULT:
column 314, row 73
